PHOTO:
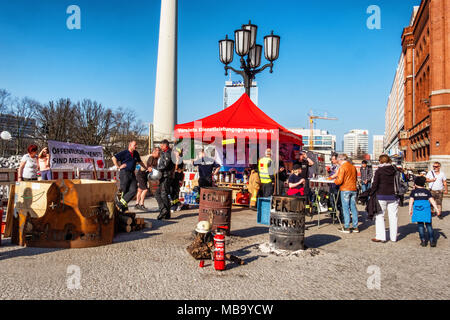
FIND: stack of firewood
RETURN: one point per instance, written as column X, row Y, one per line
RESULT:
column 127, row 222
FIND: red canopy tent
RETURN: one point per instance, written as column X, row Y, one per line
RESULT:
column 241, row 119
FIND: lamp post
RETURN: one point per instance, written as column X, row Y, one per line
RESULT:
column 250, row 53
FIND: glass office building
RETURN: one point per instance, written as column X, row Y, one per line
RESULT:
column 233, row 90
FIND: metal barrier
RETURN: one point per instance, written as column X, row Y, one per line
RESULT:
column 7, row 177
column 63, row 174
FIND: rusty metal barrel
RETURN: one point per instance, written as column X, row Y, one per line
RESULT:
column 215, row 207
column 287, row 222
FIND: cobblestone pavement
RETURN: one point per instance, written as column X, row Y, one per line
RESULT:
column 154, row 264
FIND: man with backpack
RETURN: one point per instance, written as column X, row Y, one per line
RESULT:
column 437, row 184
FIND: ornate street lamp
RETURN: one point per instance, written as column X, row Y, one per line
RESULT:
column 250, row 52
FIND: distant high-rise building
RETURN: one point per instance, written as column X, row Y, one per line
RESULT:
column 324, row 142
column 356, row 143
column 395, row 111
column 378, row 146
column 233, row 90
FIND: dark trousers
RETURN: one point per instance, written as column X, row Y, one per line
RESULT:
column 175, row 190
column 162, row 196
column 308, row 190
column 266, row 190
column 421, row 226
column 204, row 183
column 402, row 199
column 128, row 184
column 334, row 190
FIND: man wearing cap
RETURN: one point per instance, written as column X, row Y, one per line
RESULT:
column 207, row 168
column 166, row 167
column 305, row 164
column 128, row 183
column 266, row 170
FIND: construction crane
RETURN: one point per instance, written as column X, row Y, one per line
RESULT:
column 312, row 117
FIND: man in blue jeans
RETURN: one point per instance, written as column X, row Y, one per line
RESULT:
column 346, row 179
column 366, row 176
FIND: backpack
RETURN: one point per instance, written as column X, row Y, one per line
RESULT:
column 400, row 186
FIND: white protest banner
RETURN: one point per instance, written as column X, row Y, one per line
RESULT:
column 64, row 155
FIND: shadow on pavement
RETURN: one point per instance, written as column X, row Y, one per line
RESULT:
column 241, row 253
column 23, row 252
column 445, row 213
column 366, row 224
column 185, row 215
column 249, row 232
column 156, row 224
column 405, row 230
column 319, row 240
column 412, row 228
column 240, row 209
column 133, row 236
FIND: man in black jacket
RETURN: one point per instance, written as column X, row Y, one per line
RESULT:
column 166, row 167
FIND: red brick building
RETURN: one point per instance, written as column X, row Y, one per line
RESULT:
column 426, row 46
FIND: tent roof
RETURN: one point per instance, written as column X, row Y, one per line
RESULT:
column 240, row 119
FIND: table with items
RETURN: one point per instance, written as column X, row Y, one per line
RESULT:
column 240, row 194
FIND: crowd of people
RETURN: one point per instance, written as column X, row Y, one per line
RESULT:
column 382, row 191
column 32, row 164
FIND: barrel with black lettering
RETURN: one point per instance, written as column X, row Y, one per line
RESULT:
column 287, row 223
column 215, row 207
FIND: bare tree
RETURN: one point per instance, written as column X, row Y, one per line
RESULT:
column 56, row 121
column 5, row 98
column 125, row 128
column 93, row 122
column 24, row 112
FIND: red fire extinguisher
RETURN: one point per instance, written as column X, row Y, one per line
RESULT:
column 219, row 249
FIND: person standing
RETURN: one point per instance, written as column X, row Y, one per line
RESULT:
column 334, row 188
column 254, row 185
column 282, row 178
column 383, row 188
column 128, row 183
column 265, row 170
column 420, row 211
column 438, row 185
column 29, row 165
column 142, row 179
column 207, row 168
column 366, row 176
column 305, row 164
column 177, row 181
column 44, row 164
column 166, row 167
column 346, row 179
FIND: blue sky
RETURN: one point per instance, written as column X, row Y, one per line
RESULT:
column 329, row 60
